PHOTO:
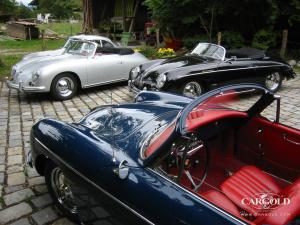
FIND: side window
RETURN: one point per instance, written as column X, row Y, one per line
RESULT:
column 98, row 42
column 106, row 44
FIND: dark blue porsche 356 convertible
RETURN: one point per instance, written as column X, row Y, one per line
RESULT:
column 167, row 159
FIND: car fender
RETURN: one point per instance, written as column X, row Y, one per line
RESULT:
column 163, row 98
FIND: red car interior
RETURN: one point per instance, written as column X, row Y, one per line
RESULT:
column 254, row 157
column 202, row 117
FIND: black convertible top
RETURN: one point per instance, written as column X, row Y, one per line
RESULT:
column 252, row 53
column 112, row 50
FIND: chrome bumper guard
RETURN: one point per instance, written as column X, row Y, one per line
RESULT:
column 22, row 88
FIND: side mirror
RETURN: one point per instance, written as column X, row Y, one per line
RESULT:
column 277, row 98
column 122, row 171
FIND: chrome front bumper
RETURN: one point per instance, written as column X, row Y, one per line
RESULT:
column 133, row 88
column 22, row 88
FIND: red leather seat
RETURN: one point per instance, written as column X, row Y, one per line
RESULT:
column 250, row 183
column 221, row 201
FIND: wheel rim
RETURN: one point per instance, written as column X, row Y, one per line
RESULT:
column 273, row 81
column 62, row 190
column 192, row 89
column 65, row 86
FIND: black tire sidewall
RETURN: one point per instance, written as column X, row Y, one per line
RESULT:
column 50, row 166
column 279, row 85
column 54, row 92
column 203, row 90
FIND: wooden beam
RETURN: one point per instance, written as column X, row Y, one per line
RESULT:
column 124, row 15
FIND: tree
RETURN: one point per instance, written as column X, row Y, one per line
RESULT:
column 60, row 8
column 7, row 6
column 23, row 12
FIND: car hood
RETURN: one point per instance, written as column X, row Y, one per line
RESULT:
column 28, row 67
column 120, row 123
column 44, row 54
column 125, row 127
column 187, row 63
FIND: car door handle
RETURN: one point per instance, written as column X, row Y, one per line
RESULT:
column 290, row 141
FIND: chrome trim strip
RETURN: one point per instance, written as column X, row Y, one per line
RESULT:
column 106, row 82
column 246, row 68
column 201, row 199
column 95, row 185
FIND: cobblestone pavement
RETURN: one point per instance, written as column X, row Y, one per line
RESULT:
column 23, row 194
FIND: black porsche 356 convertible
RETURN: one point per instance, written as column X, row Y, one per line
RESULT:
column 209, row 66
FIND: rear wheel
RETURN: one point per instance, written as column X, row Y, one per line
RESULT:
column 273, row 81
column 64, row 86
column 192, row 89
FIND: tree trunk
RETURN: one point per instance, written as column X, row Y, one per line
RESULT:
column 87, row 27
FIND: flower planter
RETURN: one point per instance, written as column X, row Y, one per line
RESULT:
column 173, row 43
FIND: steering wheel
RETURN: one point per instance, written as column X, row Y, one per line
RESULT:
column 184, row 154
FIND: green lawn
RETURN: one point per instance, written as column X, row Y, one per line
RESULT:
column 8, row 62
column 65, row 29
column 31, row 45
column 23, row 46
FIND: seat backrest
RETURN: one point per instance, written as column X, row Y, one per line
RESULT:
column 286, row 211
column 247, row 183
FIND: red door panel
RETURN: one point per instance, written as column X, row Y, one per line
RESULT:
column 271, row 146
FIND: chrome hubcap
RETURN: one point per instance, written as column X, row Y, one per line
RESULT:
column 62, row 190
column 192, row 89
column 272, row 81
column 65, row 86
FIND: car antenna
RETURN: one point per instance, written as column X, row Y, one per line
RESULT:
column 112, row 129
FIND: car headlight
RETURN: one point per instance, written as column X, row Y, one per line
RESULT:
column 161, row 80
column 35, row 76
column 135, row 72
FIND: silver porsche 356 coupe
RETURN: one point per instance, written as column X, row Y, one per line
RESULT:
column 100, row 40
column 84, row 64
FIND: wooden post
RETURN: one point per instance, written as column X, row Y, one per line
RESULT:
column 1, row 61
column 29, row 33
column 284, row 43
column 157, row 37
column 43, row 40
column 219, row 38
column 131, row 28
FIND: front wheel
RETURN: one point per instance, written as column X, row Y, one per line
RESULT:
column 273, row 81
column 64, row 86
column 61, row 191
column 192, row 89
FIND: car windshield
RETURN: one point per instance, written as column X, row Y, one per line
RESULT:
column 81, row 48
column 69, row 42
column 210, row 51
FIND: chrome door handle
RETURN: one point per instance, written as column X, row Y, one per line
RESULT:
column 291, row 141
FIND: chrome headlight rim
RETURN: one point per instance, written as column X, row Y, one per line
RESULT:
column 161, row 80
column 35, row 76
column 135, row 72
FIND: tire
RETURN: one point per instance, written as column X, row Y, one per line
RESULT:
column 54, row 177
column 192, row 89
column 64, row 86
column 273, row 81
